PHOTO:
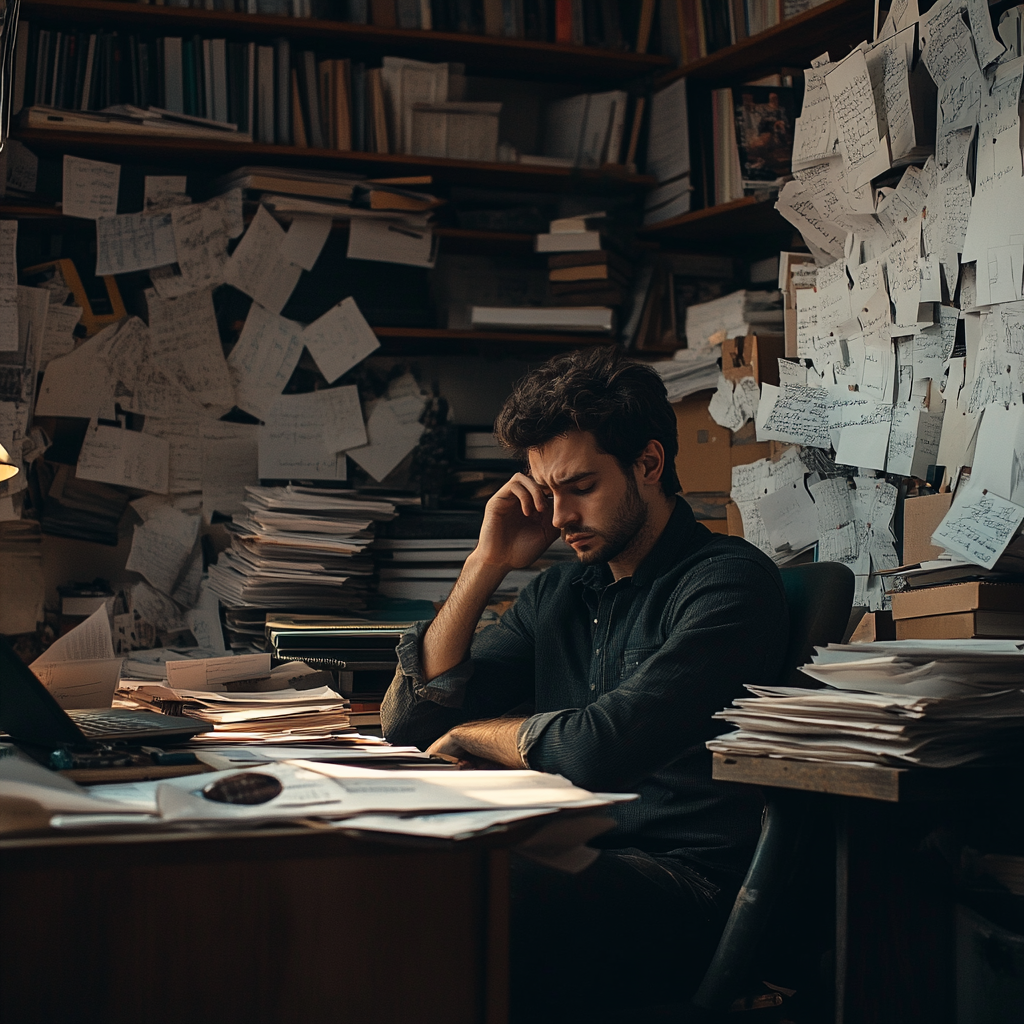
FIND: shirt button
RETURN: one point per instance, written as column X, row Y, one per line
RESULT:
column 593, row 686
column 595, row 622
column 598, row 650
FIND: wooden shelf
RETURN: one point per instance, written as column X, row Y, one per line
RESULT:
column 835, row 26
column 413, row 341
column 751, row 222
column 489, row 55
column 214, row 157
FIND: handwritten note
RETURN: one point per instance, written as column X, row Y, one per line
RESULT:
column 258, row 266
column 124, row 457
column 134, row 241
column 979, row 525
column 392, row 427
column 201, row 235
column 59, row 337
column 340, row 339
column 162, row 547
column 90, row 188
column 230, row 464
column 8, row 254
column 853, row 106
column 305, row 239
column 263, row 359
column 794, row 412
column 186, row 343
column 305, row 434
column 163, row 191
column 183, row 433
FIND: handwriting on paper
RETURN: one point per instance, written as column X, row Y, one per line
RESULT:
column 90, row 188
column 979, row 525
column 133, row 241
column 124, row 457
column 263, row 359
column 339, row 339
column 798, row 414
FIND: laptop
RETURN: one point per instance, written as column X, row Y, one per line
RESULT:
column 29, row 714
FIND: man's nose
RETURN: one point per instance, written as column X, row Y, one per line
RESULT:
column 563, row 513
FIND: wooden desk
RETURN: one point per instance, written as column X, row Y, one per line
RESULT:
column 893, row 914
column 285, row 926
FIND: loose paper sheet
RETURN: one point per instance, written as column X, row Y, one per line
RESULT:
column 80, row 668
column 305, row 434
column 134, row 241
column 90, row 188
column 263, row 359
column 391, row 241
column 162, row 547
column 340, row 339
column 258, row 266
column 59, row 337
column 979, row 525
column 305, row 239
column 124, row 457
column 393, row 428
column 230, row 464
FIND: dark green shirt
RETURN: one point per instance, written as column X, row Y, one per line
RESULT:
column 623, row 678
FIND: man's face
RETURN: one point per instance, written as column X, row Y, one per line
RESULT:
column 595, row 504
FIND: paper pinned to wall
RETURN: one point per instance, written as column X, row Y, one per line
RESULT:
column 853, row 106
column 230, row 464
column 59, row 336
column 204, row 621
column 263, row 359
column 8, row 254
column 864, row 435
column 134, row 241
column 185, row 341
column 795, row 413
column 257, row 266
column 914, row 440
column 979, row 525
column 339, row 339
column 163, row 191
column 90, row 188
column 201, row 235
column 999, row 453
column 79, row 383
column 789, row 517
column 305, row 239
column 9, row 325
column 124, row 457
column 162, row 547
column 304, row 435
column 392, row 427
column 183, row 432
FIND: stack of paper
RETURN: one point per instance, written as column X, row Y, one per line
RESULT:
column 928, row 703
column 283, row 716
column 299, row 547
column 688, row 371
column 733, row 316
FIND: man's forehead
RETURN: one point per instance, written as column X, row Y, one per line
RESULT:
column 566, row 457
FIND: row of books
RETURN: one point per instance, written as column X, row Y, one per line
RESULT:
column 607, row 24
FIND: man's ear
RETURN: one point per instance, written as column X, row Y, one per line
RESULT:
column 651, row 463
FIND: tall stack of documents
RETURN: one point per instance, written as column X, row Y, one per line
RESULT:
column 688, row 371
column 933, row 704
column 299, row 547
column 733, row 316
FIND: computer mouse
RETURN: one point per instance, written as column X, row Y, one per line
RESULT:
column 244, row 788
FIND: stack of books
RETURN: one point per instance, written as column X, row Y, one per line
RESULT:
column 991, row 608
column 299, row 548
column 588, row 277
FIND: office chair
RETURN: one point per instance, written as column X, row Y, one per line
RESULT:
column 820, row 597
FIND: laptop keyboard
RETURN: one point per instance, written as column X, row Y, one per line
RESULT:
column 97, row 723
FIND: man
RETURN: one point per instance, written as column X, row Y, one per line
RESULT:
column 605, row 671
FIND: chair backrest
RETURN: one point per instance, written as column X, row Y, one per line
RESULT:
column 820, row 598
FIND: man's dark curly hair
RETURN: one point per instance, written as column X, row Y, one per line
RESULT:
column 622, row 403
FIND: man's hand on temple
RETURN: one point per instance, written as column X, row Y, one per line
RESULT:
column 517, row 527
column 486, row 744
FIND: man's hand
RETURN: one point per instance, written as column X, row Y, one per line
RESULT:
column 487, row 744
column 517, row 526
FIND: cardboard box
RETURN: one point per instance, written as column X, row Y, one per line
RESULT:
column 756, row 355
column 716, row 526
column 874, row 626
column 974, row 595
column 790, row 320
column 703, row 462
column 746, row 448
column 921, row 517
column 981, row 624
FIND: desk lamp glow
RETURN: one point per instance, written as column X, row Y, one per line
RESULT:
column 7, row 467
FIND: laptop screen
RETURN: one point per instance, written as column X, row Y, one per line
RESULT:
column 27, row 709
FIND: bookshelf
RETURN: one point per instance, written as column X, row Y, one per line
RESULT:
column 749, row 221
column 413, row 341
column 218, row 157
column 488, row 55
column 836, row 26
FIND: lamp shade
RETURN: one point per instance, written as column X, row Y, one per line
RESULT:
column 7, row 465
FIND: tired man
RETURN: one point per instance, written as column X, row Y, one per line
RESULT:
column 605, row 671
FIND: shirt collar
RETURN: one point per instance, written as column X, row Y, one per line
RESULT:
column 676, row 539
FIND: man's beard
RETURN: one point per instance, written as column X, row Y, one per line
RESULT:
column 628, row 522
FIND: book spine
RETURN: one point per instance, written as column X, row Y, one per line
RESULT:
column 494, row 17
column 21, row 61
column 384, row 13
column 563, row 21
column 282, row 111
column 310, row 89
column 426, row 16
column 298, row 123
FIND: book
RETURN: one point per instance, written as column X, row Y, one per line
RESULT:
column 589, row 320
column 764, row 118
column 589, row 259
column 586, row 272
column 574, row 241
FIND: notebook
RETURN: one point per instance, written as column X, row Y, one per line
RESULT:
column 29, row 713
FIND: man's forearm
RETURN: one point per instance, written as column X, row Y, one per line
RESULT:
column 446, row 643
column 492, row 740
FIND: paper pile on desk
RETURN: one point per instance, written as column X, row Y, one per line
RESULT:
column 688, row 372
column 299, row 547
column 931, row 704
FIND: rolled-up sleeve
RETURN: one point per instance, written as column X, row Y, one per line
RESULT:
column 731, row 630
column 497, row 676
